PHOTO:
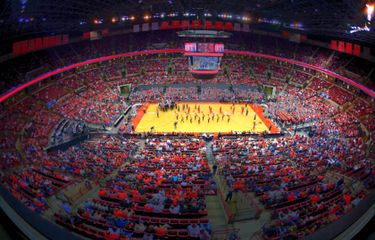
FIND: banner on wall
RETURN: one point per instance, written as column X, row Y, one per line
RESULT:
column 246, row 28
column 38, row 43
column 333, row 45
column 357, row 50
column 31, row 44
column 195, row 24
column 208, row 24
column 228, row 26
column 185, row 24
column 155, row 26
column 136, row 28
column 145, row 27
column 95, row 35
column 176, row 24
column 349, row 48
column 341, row 46
column 219, row 25
column 164, row 25
column 237, row 27
column 86, row 35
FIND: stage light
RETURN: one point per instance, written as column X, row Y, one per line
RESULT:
column 355, row 29
column 98, row 21
column 132, row 18
column 245, row 19
column 146, row 17
column 370, row 11
column 114, row 19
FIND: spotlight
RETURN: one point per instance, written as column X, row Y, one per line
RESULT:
column 370, row 11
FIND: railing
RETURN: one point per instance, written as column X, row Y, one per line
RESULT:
column 229, row 215
column 35, row 221
column 225, row 233
column 78, row 191
column 350, row 223
column 253, row 204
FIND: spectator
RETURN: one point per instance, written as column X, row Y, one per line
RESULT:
column 193, row 230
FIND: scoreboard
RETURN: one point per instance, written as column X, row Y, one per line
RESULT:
column 204, row 58
column 204, row 48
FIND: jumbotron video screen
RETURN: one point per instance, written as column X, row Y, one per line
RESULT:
column 204, row 58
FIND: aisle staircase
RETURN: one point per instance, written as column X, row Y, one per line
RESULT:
column 247, row 219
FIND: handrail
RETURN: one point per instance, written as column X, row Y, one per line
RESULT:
column 251, row 202
column 228, row 212
column 224, row 233
column 345, row 223
column 35, row 221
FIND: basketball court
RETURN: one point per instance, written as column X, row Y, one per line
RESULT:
column 226, row 118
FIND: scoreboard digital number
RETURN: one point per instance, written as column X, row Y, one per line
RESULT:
column 204, row 47
column 190, row 47
column 219, row 47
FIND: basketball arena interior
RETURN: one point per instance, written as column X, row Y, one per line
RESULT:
column 184, row 119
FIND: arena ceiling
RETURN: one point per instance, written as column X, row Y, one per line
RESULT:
column 320, row 17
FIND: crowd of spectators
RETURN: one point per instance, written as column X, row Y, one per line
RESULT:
column 159, row 189
column 146, row 95
column 294, row 109
column 32, row 185
column 181, row 94
column 339, row 95
column 288, row 175
column 220, row 94
column 159, row 192
column 318, row 84
column 300, row 77
column 252, row 94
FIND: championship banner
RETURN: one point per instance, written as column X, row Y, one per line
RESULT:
column 154, row 26
column 145, row 27
column 136, row 28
